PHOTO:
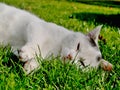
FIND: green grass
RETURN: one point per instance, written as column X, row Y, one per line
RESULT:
column 54, row 74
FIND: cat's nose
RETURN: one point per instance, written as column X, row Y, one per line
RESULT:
column 105, row 65
column 107, row 68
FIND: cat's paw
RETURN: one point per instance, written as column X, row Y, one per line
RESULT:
column 31, row 66
column 25, row 54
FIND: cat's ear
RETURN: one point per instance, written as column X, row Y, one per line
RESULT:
column 94, row 34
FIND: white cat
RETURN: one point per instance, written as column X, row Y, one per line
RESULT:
column 29, row 35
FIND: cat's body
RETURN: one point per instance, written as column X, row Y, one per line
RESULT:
column 28, row 35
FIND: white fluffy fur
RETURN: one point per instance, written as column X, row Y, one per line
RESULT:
column 26, row 32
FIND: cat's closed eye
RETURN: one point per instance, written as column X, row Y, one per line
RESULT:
column 99, row 58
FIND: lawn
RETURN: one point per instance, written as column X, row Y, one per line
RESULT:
column 53, row 74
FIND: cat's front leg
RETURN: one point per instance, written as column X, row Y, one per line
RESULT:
column 27, row 54
column 31, row 66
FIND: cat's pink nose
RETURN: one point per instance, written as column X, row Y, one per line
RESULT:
column 105, row 65
column 107, row 68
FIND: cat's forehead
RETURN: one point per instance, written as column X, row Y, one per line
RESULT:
column 83, row 39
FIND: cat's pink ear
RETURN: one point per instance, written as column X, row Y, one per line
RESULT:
column 94, row 34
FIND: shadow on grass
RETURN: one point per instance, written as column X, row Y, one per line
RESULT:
column 107, row 3
column 112, row 20
column 11, row 61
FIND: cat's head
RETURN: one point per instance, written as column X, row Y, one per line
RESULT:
column 83, row 49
